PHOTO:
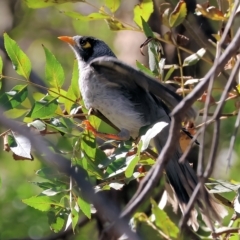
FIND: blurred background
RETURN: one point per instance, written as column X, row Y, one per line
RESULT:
column 32, row 28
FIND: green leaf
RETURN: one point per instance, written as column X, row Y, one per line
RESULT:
column 53, row 70
column 20, row 61
column 14, row 97
column 146, row 28
column 75, row 218
column 73, row 92
column 116, row 25
column 42, row 203
column 75, row 79
column 178, row 15
column 57, row 221
column 15, row 113
column 60, row 125
column 145, row 228
column 154, row 54
column 142, row 10
column 89, row 145
column 130, row 168
column 84, row 206
column 113, row 5
column 165, row 17
column 48, row 3
column 20, row 145
column 144, row 69
column 44, row 108
column 92, row 16
column 44, row 185
column 169, row 73
column 163, row 221
column 48, row 173
column 1, row 69
column 116, row 167
column 92, row 167
column 194, row 58
column 101, row 126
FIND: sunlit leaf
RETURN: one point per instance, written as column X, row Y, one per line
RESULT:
column 15, row 113
column 48, row 3
column 211, row 12
column 42, row 203
column 178, row 15
column 20, row 145
column 92, row 16
column 117, row 167
column 84, row 206
column 192, row 81
column 194, row 58
column 116, row 185
column 161, row 65
column 220, row 186
column 236, row 202
column 144, row 69
column 163, row 221
column 44, row 108
column 53, row 70
column 116, row 25
column 20, row 61
column 75, row 218
column 145, row 228
column 151, row 133
column 113, row 5
column 142, row 10
column 169, row 73
column 165, row 17
column 132, row 164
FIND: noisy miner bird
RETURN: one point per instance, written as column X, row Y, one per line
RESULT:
column 130, row 100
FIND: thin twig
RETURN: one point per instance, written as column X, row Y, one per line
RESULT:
column 153, row 176
column 233, row 139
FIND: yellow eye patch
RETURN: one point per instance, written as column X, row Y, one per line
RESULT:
column 86, row 45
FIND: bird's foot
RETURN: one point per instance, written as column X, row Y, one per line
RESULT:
column 123, row 135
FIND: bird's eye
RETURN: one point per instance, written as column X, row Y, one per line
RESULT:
column 84, row 43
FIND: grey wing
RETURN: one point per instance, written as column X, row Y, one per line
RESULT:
column 129, row 75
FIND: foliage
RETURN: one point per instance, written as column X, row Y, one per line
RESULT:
column 57, row 115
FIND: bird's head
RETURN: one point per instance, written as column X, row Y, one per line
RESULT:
column 87, row 48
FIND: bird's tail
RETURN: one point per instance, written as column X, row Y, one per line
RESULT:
column 183, row 181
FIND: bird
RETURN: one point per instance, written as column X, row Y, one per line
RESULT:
column 130, row 100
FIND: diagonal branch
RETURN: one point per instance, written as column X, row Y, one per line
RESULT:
column 104, row 206
column 155, row 173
